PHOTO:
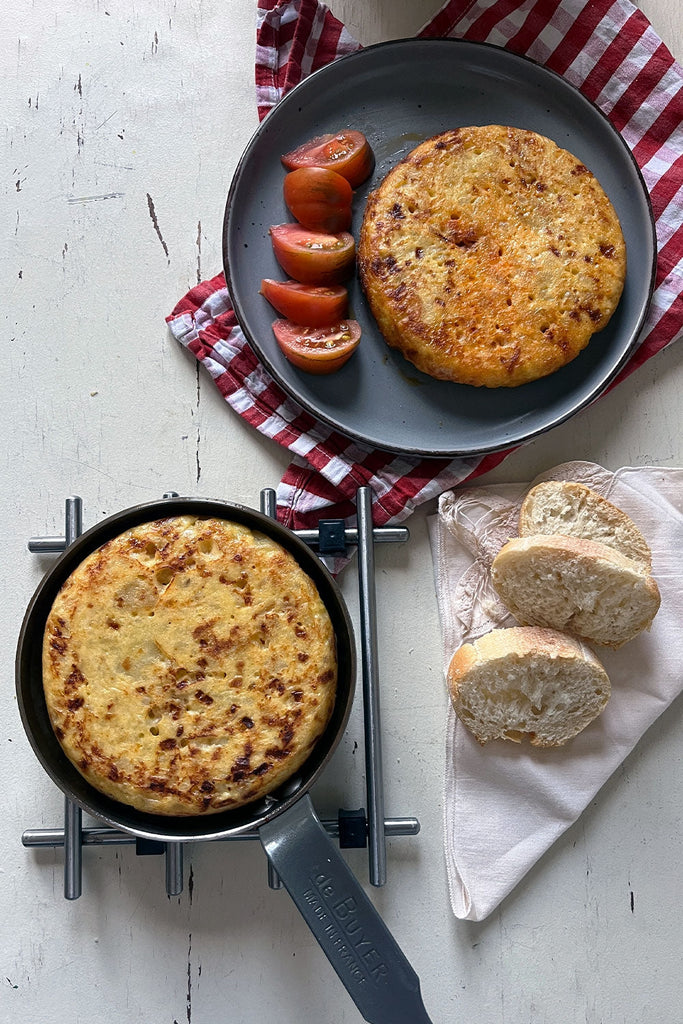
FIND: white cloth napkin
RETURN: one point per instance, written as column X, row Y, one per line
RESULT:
column 506, row 803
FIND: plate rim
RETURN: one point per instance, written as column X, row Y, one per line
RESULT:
column 410, row 450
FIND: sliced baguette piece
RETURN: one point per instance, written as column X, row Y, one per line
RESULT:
column 527, row 683
column 579, row 586
column 574, row 510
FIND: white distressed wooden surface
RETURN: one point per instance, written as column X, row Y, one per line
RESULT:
column 122, row 124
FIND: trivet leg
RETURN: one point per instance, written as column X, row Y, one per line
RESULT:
column 174, row 868
column 73, row 851
column 73, row 817
column 377, row 852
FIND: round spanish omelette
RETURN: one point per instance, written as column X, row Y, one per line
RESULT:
column 189, row 666
column 490, row 256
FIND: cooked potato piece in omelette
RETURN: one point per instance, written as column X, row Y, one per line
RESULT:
column 489, row 256
column 189, row 666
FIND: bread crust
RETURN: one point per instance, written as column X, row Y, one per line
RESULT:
column 189, row 666
column 571, row 508
column 489, row 256
column 527, row 682
column 519, row 641
column 580, row 586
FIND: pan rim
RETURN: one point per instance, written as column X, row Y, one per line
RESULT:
column 167, row 828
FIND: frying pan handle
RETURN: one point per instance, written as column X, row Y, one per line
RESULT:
column 358, row 944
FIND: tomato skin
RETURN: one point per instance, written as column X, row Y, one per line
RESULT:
column 319, row 350
column 347, row 152
column 304, row 303
column 313, row 257
column 319, row 199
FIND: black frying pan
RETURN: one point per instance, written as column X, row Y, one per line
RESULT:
column 353, row 936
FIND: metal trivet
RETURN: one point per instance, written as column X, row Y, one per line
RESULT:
column 353, row 828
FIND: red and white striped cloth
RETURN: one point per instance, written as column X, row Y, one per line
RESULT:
column 607, row 49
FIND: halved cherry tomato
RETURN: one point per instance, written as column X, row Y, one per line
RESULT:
column 320, row 199
column 313, row 257
column 317, row 349
column 304, row 303
column 346, row 152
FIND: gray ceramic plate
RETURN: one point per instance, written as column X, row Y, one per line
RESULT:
column 399, row 93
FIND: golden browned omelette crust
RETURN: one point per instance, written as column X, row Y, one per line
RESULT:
column 490, row 257
column 189, row 666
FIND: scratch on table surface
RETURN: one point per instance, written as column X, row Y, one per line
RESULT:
column 107, row 118
column 116, row 166
column 189, row 980
column 95, row 199
column 199, row 252
column 155, row 222
column 78, row 87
